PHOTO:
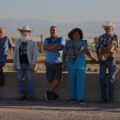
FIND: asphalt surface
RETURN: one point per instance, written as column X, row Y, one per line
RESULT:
column 57, row 110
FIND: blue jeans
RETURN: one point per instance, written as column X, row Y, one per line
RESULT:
column 30, row 83
column 110, row 64
column 77, row 83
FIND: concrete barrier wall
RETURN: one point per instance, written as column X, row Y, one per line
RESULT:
column 92, row 87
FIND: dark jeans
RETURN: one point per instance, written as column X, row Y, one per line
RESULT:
column 110, row 64
column 2, row 81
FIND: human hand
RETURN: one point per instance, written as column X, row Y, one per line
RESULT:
column 64, row 67
column 95, row 59
column 15, row 68
column 117, row 49
column 31, row 66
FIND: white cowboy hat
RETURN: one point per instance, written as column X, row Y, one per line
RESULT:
column 25, row 28
column 108, row 24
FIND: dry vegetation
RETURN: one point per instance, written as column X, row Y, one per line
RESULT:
column 41, row 55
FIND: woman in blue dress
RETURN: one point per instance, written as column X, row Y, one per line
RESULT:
column 75, row 60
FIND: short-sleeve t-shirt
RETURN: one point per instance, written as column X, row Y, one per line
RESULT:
column 80, row 63
column 23, row 53
column 54, row 57
column 5, row 45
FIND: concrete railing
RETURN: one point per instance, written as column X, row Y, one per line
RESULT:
column 92, row 87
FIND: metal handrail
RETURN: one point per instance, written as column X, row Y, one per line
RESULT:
column 42, row 61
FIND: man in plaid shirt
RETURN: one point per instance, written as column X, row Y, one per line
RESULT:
column 101, row 46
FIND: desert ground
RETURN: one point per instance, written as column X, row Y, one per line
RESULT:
column 60, row 110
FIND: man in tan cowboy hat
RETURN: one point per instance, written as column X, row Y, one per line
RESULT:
column 25, row 57
column 109, row 63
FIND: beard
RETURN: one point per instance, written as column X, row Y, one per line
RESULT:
column 25, row 38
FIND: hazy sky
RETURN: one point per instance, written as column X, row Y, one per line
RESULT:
column 67, row 11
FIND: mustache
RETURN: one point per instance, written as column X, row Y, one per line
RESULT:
column 52, row 32
column 25, row 38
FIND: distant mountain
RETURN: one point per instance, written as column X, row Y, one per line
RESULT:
column 90, row 29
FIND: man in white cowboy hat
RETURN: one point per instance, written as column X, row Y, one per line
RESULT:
column 25, row 57
column 101, row 48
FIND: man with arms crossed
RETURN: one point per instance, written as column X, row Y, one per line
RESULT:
column 53, row 47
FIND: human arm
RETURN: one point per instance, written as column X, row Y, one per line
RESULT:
column 57, row 47
column 90, row 55
column 35, row 53
column 98, row 54
column 64, row 60
column 53, row 48
column 15, row 58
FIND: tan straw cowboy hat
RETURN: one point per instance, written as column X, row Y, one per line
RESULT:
column 108, row 24
column 25, row 28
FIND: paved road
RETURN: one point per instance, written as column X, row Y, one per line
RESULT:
column 40, row 110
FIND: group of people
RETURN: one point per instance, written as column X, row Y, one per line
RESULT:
column 61, row 54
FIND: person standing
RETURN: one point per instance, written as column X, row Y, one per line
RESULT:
column 101, row 48
column 5, row 45
column 75, row 60
column 25, row 58
column 53, row 47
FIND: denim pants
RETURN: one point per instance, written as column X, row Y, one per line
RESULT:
column 30, row 83
column 110, row 64
column 2, row 81
column 77, row 83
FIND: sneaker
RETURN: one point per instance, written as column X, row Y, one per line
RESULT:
column 81, row 102
column 55, row 96
column 102, row 101
column 31, row 98
column 48, row 95
column 110, row 101
column 22, row 98
column 72, row 100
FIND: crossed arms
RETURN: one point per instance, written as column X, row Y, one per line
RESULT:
column 53, row 48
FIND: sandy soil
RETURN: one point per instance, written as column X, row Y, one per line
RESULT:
column 60, row 110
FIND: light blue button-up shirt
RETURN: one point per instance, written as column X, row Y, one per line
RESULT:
column 54, row 57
